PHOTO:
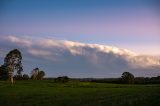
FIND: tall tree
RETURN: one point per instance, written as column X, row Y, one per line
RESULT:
column 12, row 62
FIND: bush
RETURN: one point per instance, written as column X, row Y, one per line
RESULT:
column 21, row 77
column 25, row 77
column 3, row 73
column 18, row 77
column 62, row 79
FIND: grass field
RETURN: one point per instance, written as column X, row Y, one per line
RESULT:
column 48, row 93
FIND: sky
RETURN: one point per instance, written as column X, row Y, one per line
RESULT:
column 129, row 24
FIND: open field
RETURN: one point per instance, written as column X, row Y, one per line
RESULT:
column 48, row 93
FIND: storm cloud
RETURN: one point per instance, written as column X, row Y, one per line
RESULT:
column 75, row 59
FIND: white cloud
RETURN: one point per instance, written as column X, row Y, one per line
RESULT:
column 21, row 41
column 49, row 47
column 37, row 52
column 81, row 56
column 73, row 47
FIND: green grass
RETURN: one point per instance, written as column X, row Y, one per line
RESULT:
column 48, row 93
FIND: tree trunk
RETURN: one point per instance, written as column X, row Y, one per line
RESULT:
column 10, row 77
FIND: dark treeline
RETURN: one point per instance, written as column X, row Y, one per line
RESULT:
column 137, row 80
column 126, row 78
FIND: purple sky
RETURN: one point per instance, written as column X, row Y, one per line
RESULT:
column 132, row 24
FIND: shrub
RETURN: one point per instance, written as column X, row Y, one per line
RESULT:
column 62, row 79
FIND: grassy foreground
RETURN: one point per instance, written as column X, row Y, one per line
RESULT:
column 48, row 93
